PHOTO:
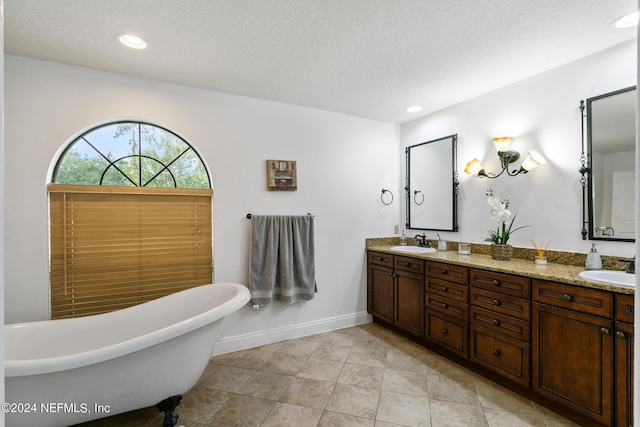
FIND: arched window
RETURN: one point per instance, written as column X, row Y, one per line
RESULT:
column 130, row 219
column 131, row 154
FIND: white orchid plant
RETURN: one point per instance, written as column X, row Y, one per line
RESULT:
column 499, row 210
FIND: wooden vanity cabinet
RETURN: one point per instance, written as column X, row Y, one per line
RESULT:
column 395, row 291
column 623, row 388
column 569, row 344
column 572, row 354
column 446, row 301
column 500, row 331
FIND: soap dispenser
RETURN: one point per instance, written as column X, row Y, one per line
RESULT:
column 594, row 262
column 403, row 239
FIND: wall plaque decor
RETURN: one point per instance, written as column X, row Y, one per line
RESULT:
column 281, row 175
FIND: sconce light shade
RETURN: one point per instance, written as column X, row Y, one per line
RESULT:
column 502, row 143
column 474, row 167
column 533, row 160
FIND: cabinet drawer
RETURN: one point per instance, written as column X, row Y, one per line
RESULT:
column 505, row 304
column 498, row 282
column 624, row 308
column 503, row 355
column 449, row 333
column 446, row 306
column 506, row 325
column 408, row 264
column 380, row 258
column 447, row 289
column 586, row 300
column 449, row 272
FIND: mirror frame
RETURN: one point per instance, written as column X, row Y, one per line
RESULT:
column 586, row 170
column 454, row 183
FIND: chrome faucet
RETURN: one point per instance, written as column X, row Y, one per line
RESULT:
column 631, row 267
column 422, row 241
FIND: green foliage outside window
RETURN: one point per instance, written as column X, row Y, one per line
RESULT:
column 131, row 154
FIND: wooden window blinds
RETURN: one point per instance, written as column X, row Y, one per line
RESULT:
column 114, row 247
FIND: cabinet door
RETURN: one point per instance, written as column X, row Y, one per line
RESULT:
column 409, row 302
column 380, row 292
column 624, row 375
column 572, row 360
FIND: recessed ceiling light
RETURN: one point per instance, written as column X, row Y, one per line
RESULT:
column 134, row 42
column 627, row 20
column 413, row 109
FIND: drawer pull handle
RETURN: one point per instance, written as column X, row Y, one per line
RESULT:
column 378, row 258
column 496, row 282
column 496, row 352
column 406, row 264
column 496, row 302
column 444, row 305
column 444, row 289
column 620, row 334
column 567, row 297
column 496, row 322
column 445, row 332
column 390, row 274
column 604, row 331
column 444, row 272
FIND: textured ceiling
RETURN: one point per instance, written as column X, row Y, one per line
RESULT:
column 367, row 58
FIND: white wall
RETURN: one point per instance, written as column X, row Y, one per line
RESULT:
column 343, row 163
column 542, row 114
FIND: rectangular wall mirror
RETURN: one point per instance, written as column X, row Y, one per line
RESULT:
column 431, row 187
column 610, row 168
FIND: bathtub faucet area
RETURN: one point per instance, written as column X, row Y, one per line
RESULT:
column 141, row 356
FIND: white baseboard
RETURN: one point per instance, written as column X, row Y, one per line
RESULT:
column 255, row 339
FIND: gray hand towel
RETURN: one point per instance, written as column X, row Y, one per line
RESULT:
column 282, row 259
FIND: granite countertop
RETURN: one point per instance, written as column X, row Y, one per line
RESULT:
column 561, row 273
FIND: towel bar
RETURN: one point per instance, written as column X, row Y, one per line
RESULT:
column 249, row 215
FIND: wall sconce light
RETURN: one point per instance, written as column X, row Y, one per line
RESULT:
column 533, row 159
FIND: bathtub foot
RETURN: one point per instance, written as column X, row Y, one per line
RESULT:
column 168, row 406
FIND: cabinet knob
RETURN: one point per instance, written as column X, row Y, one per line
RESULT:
column 496, row 302
column 390, row 274
column 567, row 297
column 496, row 282
column 445, row 332
column 444, row 305
column 496, row 322
column 604, row 331
column 620, row 335
column 444, row 272
column 496, row 352
column 444, row 289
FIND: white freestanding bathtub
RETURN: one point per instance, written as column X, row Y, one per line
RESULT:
column 64, row 372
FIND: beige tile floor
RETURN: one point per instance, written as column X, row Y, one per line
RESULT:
column 360, row 376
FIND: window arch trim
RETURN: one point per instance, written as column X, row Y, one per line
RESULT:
column 111, row 163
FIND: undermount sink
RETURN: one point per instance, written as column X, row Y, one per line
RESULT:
column 609, row 276
column 412, row 249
